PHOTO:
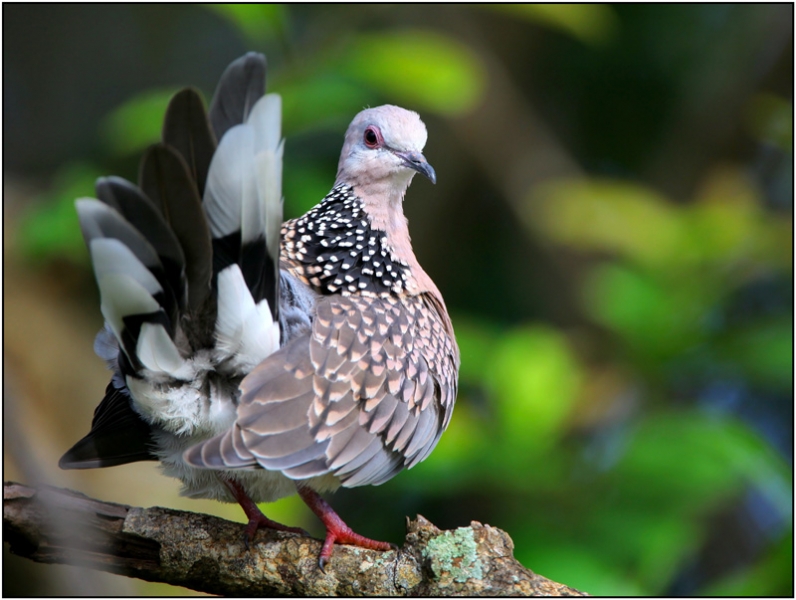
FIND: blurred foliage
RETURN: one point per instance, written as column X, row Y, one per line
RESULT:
column 256, row 22
column 590, row 23
column 53, row 231
column 437, row 73
column 771, row 119
column 762, row 579
column 136, row 124
column 608, row 445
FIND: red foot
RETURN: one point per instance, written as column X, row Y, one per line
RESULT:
column 256, row 518
column 336, row 529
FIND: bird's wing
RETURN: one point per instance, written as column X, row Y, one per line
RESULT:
column 364, row 395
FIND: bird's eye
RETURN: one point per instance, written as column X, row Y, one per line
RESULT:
column 372, row 137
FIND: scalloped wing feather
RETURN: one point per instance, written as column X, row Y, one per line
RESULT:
column 296, row 414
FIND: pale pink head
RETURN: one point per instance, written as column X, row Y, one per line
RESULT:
column 384, row 144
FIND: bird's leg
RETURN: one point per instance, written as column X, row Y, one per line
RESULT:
column 256, row 518
column 336, row 529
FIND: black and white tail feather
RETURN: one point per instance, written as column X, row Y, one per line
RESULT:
column 187, row 264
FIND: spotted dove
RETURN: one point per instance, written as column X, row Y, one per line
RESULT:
column 254, row 358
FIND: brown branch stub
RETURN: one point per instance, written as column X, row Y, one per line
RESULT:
column 207, row 554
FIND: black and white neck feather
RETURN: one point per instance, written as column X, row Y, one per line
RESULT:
column 337, row 250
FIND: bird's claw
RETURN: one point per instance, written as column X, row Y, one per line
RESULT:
column 261, row 521
column 348, row 536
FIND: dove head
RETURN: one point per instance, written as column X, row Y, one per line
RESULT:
column 383, row 150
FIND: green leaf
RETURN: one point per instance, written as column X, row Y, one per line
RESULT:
column 605, row 215
column 257, row 22
column 658, row 319
column 685, row 462
column 579, row 567
column 304, row 185
column 758, row 463
column 476, row 341
column 459, row 462
column 590, row 23
column 321, row 102
column 764, row 351
column 772, row 576
column 52, row 228
column 651, row 543
column 535, row 379
column 727, row 224
column 137, row 123
column 420, row 69
column 770, row 118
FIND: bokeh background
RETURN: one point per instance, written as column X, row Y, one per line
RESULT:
column 612, row 231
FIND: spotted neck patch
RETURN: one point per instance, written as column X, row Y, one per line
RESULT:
column 335, row 249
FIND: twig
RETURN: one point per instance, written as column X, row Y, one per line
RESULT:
column 205, row 553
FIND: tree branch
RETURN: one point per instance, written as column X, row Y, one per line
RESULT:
column 205, row 553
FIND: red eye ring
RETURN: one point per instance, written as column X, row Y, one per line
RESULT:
column 373, row 137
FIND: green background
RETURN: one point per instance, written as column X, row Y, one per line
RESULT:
column 612, row 230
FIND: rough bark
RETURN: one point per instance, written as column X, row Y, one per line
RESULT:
column 205, row 553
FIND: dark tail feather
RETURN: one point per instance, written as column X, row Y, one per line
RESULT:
column 240, row 87
column 186, row 128
column 118, row 436
column 140, row 212
column 134, row 284
column 243, row 195
column 165, row 177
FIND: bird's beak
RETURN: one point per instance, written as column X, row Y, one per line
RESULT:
column 418, row 162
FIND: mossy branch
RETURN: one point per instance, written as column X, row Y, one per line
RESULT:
column 206, row 553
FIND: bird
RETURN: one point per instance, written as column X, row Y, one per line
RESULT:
column 256, row 359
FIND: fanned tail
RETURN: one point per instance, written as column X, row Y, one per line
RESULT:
column 187, row 260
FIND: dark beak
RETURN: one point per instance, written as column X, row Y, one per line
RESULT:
column 418, row 162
